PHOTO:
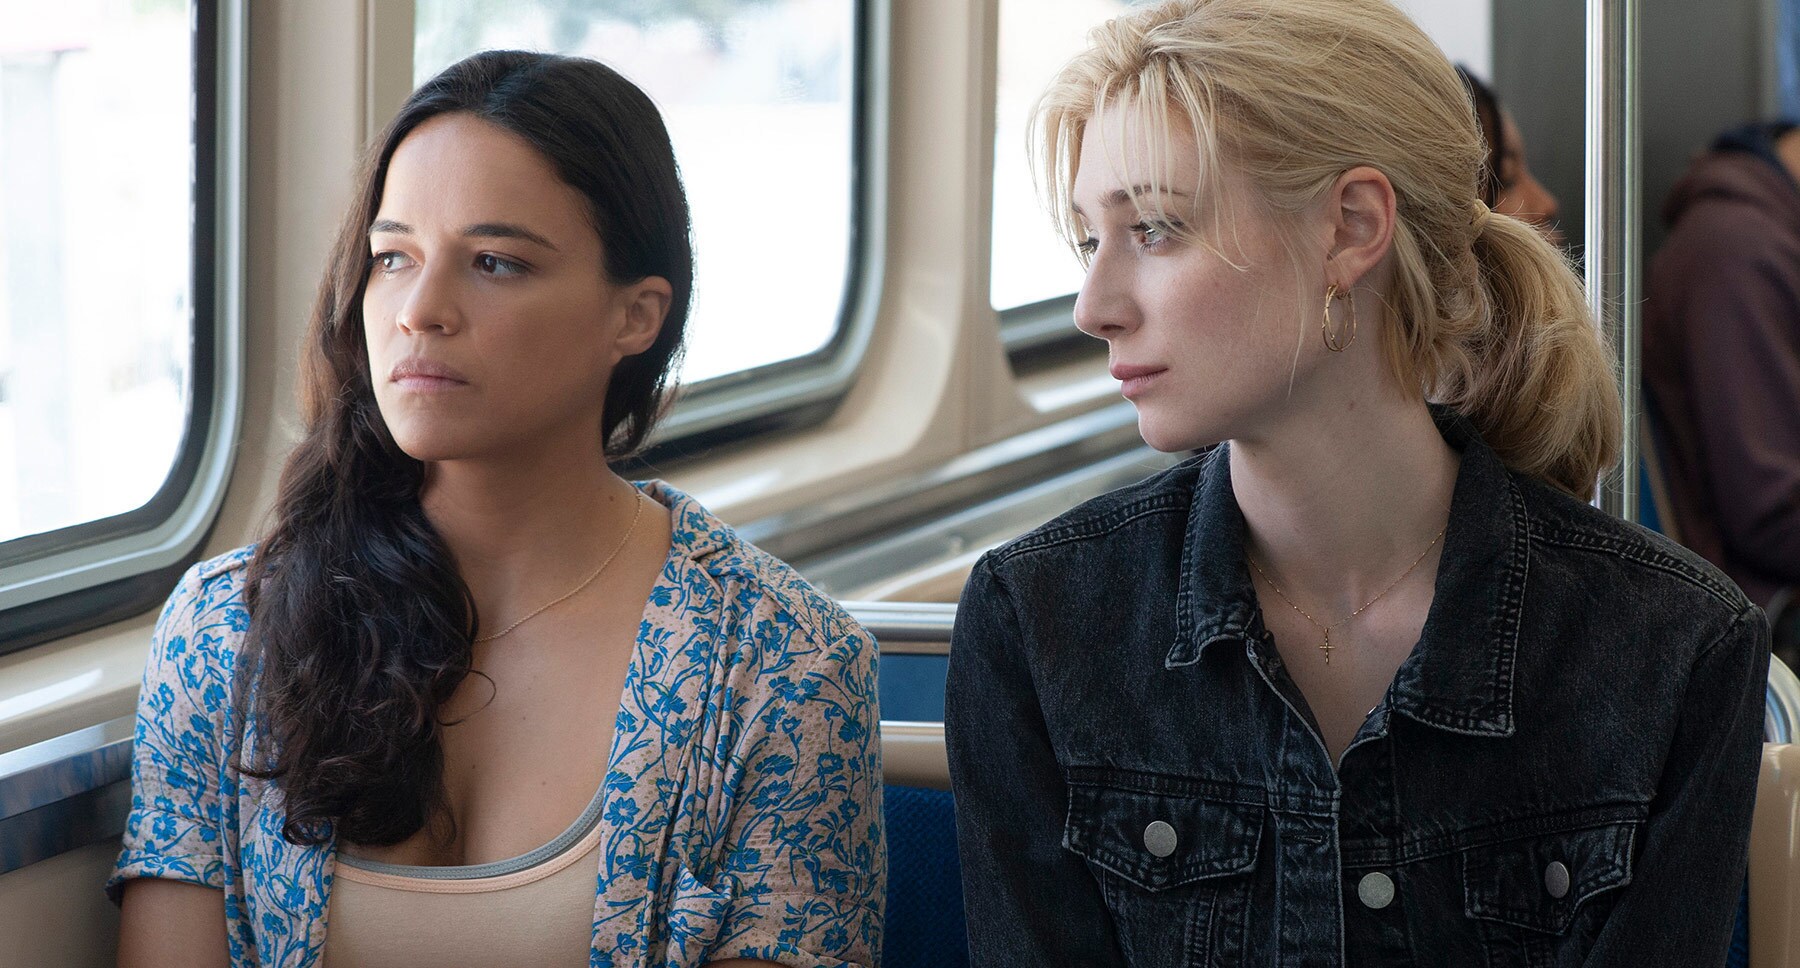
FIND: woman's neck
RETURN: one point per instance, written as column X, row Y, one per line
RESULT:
column 1338, row 502
column 522, row 525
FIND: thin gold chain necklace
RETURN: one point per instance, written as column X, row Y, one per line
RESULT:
column 1325, row 646
column 585, row 582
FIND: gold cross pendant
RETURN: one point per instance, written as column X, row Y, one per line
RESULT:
column 1325, row 647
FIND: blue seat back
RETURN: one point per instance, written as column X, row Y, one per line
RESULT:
column 1739, row 954
column 925, row 926
column 1649, row 515
column 1654, row 510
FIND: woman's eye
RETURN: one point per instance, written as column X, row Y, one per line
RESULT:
column 389, row 262
column 1152, row 234
column 494, row 265
column 1087, row 246
column 1508, row 175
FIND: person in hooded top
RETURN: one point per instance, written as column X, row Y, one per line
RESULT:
column 1721, row 345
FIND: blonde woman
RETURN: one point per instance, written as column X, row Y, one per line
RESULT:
column 1369, row 683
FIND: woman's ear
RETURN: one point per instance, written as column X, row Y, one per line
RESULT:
column 646, row 305
column 1360, row 215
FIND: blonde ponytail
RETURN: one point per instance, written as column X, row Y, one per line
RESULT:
column 1536, row 377
column 1488, row 318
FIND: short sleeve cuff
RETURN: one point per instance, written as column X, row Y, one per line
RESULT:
column 143, row 857
column 206, row 870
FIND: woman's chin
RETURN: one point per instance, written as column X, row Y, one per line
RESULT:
column 435, row 447
column 1169, row 436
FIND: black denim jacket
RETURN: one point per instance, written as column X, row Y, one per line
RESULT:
column 1560, row 774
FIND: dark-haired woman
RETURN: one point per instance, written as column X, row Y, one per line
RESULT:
column 476, row 700
column 1507, row 184
column 1370, row 683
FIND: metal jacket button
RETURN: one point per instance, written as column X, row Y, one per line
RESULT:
column 1375, row 890
column 1556, row 880
column 1159, row 839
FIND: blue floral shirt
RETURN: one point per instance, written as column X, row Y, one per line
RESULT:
column 742, row 808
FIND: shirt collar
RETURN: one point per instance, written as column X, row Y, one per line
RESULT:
column 694, row 532
column 1460, row 677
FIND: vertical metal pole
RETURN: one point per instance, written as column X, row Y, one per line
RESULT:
column 1612, row 245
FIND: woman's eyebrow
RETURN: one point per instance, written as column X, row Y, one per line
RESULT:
column 480, row 230
column 506, row 230
column 1120, row 196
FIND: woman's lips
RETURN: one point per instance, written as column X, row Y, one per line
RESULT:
column 428, row 384
column 1134, row 380
column 420, row 374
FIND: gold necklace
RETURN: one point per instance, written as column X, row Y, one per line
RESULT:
column 1325, row 646
column 585, row 582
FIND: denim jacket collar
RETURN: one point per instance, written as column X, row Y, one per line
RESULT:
column 1460, row 676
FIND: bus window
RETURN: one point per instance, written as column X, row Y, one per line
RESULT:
column 96, row 258
column 758, row 96
column 121, row 270
column 1030, row 264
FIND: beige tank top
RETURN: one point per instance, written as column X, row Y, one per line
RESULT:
column 534, row 909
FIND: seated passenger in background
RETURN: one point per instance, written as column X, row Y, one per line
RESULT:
column 1507, row 184
column 475, row 700
column 1370, row 683
column 1722, row 356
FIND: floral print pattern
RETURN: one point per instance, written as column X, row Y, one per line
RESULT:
column 742, row 800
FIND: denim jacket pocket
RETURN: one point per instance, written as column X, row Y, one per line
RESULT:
column 1173, row 867
column 1540, row 882
column 1527, row 892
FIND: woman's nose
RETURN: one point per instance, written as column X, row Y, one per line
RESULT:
column 1104, row 308
column 1527, row 199
column 1543, row 204
column 430, row 304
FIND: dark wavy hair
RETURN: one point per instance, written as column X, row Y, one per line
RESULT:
column 1493, row 131
column 361, row 627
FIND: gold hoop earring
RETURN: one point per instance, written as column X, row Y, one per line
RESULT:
column 1338, row 340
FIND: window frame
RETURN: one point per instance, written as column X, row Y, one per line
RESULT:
column 1044, row 330
column 80, row 577
column 804, row 391
column 1035, row 332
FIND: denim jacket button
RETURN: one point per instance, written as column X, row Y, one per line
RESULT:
column 1556, row 880
column 1375, row 890
column 1159, row 839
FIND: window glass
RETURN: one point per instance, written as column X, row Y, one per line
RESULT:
column 1462, row 29
column 757, row 96
column 96, row 194
column 1037, row 37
